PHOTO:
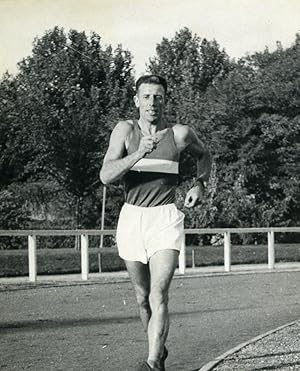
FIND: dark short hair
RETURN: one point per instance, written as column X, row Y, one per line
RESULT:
column 151, row 79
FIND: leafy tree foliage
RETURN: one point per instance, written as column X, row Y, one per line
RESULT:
column 11, row 163
column 67, row 96
column 261, row 133
column 189, row 63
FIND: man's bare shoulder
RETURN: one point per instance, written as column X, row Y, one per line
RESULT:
column 124, row 126
column 181, row 132
column 123, row 129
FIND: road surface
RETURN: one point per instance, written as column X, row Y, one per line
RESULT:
column 96, row 326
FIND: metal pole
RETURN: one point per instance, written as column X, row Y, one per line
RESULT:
column 102, row 227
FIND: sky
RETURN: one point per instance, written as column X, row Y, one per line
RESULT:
column 239, row 26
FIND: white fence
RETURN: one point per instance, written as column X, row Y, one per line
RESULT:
column 84, row 235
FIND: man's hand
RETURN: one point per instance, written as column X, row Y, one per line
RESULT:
column 147, row 144
column 193, row 196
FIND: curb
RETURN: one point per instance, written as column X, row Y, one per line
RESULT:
column 212, row 364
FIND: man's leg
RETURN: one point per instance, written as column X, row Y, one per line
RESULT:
column 162, row 266
column 140, row 277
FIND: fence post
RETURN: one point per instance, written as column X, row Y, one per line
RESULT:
column 182, row 257
column 271, row 250
column 84, row 257
column 102, row 227
column 32, row 261
column 193, row 259
column 227, row 252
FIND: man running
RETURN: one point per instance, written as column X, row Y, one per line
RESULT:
column 150, row 232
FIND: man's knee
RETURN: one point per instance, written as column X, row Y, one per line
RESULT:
column 142, row 298
column 158, row 298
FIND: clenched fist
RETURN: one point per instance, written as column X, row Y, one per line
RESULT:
column 147, row 144
column 193, row 196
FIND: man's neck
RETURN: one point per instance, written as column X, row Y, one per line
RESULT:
column 150, row 128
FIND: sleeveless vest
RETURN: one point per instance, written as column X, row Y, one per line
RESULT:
column 153, row 179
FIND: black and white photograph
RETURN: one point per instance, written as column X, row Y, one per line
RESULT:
column 149, row 185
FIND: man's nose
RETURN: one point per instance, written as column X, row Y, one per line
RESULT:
column 153, row 100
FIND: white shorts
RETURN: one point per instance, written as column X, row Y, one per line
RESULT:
column 142, row 231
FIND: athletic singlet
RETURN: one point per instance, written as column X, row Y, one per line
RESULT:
column 153, row 179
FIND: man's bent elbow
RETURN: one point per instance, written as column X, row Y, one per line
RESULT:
column 103, row 177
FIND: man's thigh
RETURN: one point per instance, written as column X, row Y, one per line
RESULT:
column 162, row 266
column 140, row 276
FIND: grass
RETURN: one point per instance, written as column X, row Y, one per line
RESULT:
column 59, row 261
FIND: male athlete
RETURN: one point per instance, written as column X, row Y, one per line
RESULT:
column 145, row 153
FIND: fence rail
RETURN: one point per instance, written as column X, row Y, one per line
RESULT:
column 85, row 233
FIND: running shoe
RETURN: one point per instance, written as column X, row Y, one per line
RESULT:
column 163, row 358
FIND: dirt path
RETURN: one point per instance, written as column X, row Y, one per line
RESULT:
column 96, row 327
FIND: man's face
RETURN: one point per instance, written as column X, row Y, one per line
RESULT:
column 150, row 101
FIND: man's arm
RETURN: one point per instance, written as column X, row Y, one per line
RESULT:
column 202, row 155
column 187, row 139
column 114, row 164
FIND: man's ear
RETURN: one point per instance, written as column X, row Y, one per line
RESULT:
column 136, row 101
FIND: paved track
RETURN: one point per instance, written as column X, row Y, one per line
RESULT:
column 96, row 327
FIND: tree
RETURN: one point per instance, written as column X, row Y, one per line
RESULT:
column 254, row 118
column 67, row 96
column 190, row 65
column 83, row 89
column 11, row 163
